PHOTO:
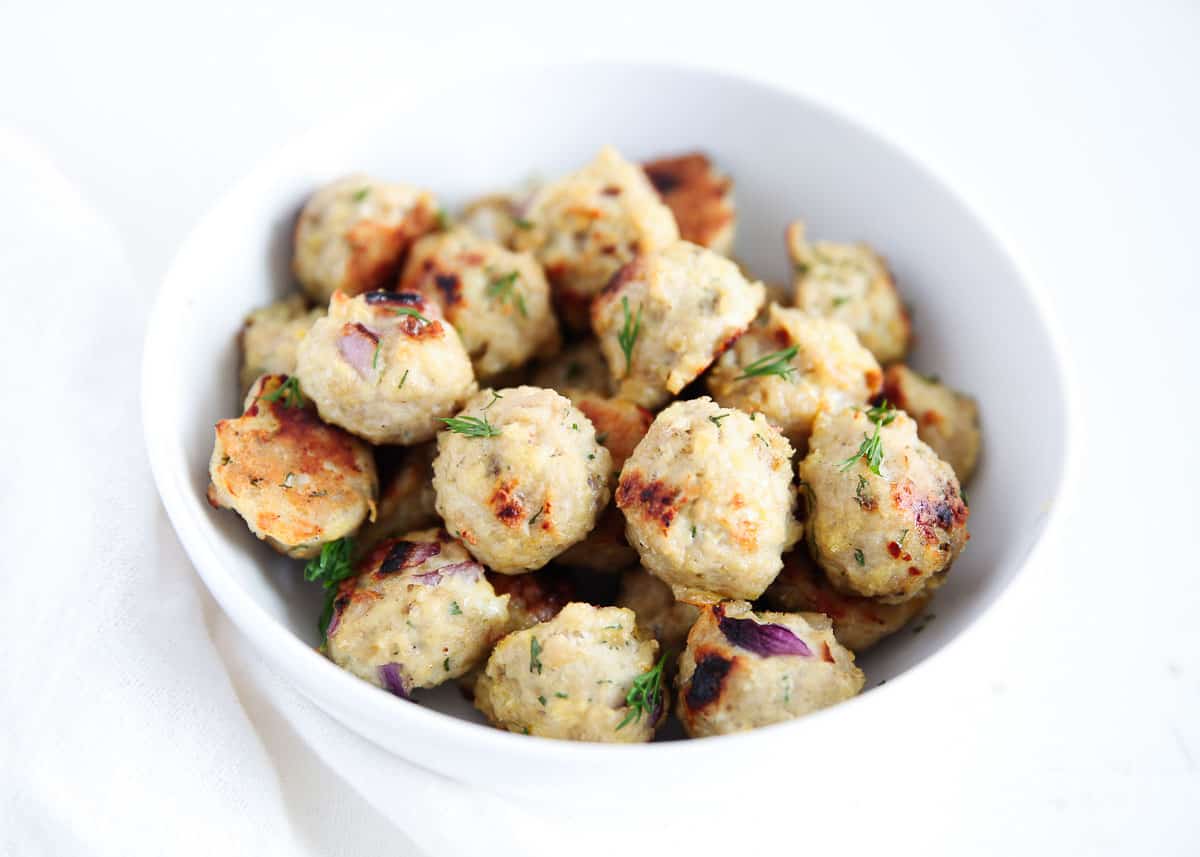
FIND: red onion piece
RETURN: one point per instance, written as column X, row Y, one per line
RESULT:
column 433, row 578
column 393, row 682
column 357, row 346
column 765, row 640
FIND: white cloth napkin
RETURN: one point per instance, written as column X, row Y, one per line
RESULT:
column 131, row 723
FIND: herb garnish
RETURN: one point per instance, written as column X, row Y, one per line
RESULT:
column 715, row 419
column 522, row 223
column 504, row 289
column 858, row 492
column 403, row 378
column 443, row 220
column 410, row 311
column 495, row 398
column 455, row 610
column 470, row 426
column 775, row 363
column 629, row 331
column 375, row 356
column 361, row 194
column 858, row 556
column 872, row 446
column 330, row 568
column 535, row 649
column 290, row 391
column 645, row 696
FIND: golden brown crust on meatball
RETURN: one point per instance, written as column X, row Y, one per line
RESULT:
column 946, row 420
column 529, row 486
column 296, row 481
column 700, row 197
column 352, row 235
column 585, row 226
column 497, row 300
column 886, row 534
column 708, row 499
column 742, row 669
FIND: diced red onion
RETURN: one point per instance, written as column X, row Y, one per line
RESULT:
column 432, row 578
column 393, row 682
column 357, row 346
column 765, row 640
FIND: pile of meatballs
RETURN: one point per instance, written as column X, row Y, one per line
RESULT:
column 564, row 450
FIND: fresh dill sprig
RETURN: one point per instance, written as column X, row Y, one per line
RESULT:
column 329, row 569
column 871, row 447
column 290, row 391
column 471, row 426
column 535, row 650
column 505, row 289
column 410, row 311
column 645, row 696
column 715, row 419
column 627, row 338
column 776, row 363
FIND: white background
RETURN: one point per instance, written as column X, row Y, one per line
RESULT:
column 1074, row 129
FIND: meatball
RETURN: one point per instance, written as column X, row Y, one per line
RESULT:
column 742, row 669
column 791, row 365
column 353, row 233
column 708, row 499
column 667, row 315
column 497, row 300
column 419, row 612
column 297, row 482
column 579, row 368
column 573, row 677
column 946, row 420
column 620, row 426
column 886, row 516
column 664, row 618
column 406, row 502
column 498, row 217
column 858, row 623
column 520, row 477
column 584, row 227
column 850, row 283
column 385, row 366
column 271, row 335
column 700, row 197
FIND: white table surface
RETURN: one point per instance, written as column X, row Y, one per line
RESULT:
column 1075, row 132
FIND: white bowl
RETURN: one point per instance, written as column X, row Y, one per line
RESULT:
column 977, row 323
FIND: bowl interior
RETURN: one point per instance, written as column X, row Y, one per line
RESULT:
column 976, row 323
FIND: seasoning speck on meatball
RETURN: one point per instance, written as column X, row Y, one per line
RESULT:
column 589, row 674
column 385, row 366
column 667, row 315
column 520, row 477
column 709, row 501
column 353, row 233
column 789, row 365
column 742, row 669
column 886, row 516
column 296, row 481
column 419, row 612
column 850, row 283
